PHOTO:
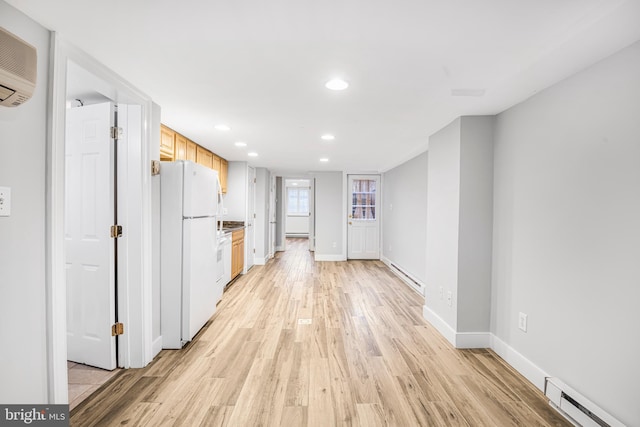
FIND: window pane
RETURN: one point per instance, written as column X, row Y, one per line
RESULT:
column 292, row 207
column 363, row 199
column 303, row 201
column 298, row 201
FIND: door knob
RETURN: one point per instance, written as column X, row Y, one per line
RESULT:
column 350, row 223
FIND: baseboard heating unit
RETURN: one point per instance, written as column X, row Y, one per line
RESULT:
column 575, row 407
column 408, row 279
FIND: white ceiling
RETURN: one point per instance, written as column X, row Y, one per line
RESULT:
column 260, row 66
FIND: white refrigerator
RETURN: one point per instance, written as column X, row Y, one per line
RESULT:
column 189, row 268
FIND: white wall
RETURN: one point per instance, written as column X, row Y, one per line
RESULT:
column 567, row 231
column 235, row 201
column 330, row 216
column 23, row 130
column 297, row 225
column 279, row 213
column 404, row 212
column 155, row 224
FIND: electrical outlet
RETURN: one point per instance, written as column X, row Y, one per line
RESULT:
column 5, row 201
column 335, row 244
column 441, row 292
column 522, row 322
column 449, row 298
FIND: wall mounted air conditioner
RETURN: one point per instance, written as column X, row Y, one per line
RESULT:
column 18, row 69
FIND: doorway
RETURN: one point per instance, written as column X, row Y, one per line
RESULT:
column 76, row 76
column 295, row 217
column 363, row 224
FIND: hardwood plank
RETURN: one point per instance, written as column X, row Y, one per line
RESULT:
column 321, row 410
column 368, row 358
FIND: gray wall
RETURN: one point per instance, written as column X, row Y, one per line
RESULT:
column 330, row 218
column 443, row 206
column 23, row 133
column 567, row 231
column 261, row 224
column 476, row 224
column 404, row 211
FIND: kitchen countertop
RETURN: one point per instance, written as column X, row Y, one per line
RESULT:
column 231, row 226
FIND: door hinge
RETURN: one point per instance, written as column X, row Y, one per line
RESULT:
column 254, row 215
column 117, row 329
column 155, row 167
column 116, row 231
column 116, row 132
column 254, row 250
column 255, row 180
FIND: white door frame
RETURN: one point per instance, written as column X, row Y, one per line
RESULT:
column 312, row 214
column 135, row 281
column 250, row 234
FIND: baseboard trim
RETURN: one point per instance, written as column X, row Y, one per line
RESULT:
column 156, row 346
column 473, row 340
column 443, row 327
column 457, row 339
column 527, row 368
column 321, row 257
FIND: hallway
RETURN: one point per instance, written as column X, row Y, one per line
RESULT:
column 299, row 343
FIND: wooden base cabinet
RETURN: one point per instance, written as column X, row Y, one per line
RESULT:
column 237, row 252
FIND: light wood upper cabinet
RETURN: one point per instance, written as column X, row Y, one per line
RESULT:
column 180, row 149
column 224, row 171
column 174, row 146
column 216, row 164
column 167, row 137
column 204, row 157
column 191, row 150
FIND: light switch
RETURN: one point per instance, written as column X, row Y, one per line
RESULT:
column 5, row 201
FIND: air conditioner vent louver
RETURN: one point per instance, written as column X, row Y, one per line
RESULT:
column 18, row 69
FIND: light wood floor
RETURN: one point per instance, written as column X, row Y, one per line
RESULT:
column 367, row 359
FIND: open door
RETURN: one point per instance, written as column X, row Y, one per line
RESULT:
column 249, row 235
column 363, row 227
column 90, row 250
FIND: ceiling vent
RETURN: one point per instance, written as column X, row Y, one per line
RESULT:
column 18, row 69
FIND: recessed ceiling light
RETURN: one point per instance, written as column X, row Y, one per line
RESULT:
column 223, row 128
column 294, row 183
column 328, row 137
column 324, row 159
column 241, row 144
column 252, row 154
column 336, row 84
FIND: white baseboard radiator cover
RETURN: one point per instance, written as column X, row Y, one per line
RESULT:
column 575, row 407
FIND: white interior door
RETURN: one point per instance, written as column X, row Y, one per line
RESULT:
column 249, row 239
column 363, row 235
column 90, row 257
column 312, row 215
